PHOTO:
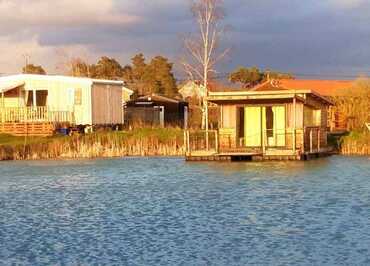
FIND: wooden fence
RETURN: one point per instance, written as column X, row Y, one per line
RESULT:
column 34, row 114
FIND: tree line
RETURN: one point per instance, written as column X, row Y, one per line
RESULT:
column 250, row 77
column 154, row 77
column 142, row 77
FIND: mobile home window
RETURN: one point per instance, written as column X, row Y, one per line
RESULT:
column 78, row 96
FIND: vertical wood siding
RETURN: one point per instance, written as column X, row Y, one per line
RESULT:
column 106, row 104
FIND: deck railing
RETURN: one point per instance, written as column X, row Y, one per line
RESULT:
column 196, row 141
column 286, row 139
column 34, row 114
column 310, row 139
column 314, row 139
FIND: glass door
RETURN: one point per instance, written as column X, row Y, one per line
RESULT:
column 253, row 126
column 274, row 124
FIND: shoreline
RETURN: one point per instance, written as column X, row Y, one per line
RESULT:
column 140, row 142
column 66, row 159
column 14, row 154
column 125, row 156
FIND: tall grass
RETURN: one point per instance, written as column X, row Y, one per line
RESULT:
column 356, row 143
column 138, row 142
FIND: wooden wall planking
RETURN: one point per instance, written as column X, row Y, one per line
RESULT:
column 27, row 129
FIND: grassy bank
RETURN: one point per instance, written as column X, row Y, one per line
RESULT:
column 356, row 143
column 138, row 142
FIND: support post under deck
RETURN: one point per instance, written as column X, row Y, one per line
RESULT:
column 294, row 124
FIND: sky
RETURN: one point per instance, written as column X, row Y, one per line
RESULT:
column 310, row 38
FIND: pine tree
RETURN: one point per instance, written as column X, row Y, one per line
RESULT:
column 107, row 68
column 33, row 69
column 162, row 71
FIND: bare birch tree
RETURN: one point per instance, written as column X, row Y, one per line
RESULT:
column 203, row 49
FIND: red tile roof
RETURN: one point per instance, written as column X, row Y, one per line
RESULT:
column 273, row 85
column 322, row 87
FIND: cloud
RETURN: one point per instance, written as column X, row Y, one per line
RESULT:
column 13, row 54
column 46, row 13
column 39, row 27
column 299, row 36
column 347, row 4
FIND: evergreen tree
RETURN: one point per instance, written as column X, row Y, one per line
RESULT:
column 138, row 67
column 247, row 76
column 33, row 69
column 127, row 74
column 155, row 77
column 107, row 68
column 251, row 77
column 161, row 70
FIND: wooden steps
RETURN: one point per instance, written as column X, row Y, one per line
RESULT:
column 40, row 129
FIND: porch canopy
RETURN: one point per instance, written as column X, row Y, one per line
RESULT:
column 10, row 83
column 7, row 87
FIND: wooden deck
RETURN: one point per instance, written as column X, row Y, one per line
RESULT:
column 242, row 156
column 40, row 129
column 282, row 156
column 199, row 150
column 32, row 121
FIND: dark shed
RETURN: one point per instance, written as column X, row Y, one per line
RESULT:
column 157, row 110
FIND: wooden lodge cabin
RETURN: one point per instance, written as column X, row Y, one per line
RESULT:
column 37, row 104
column 266, row 122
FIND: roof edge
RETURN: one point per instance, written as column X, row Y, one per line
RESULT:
column 276, row 92
column 61, row 77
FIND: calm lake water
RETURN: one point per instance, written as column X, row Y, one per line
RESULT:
column 164, row 211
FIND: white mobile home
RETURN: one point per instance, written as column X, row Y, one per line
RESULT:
column 60, row 99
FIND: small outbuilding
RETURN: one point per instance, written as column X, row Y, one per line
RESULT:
column 157, row 110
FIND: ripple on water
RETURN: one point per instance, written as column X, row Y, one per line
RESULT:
column 163, row 211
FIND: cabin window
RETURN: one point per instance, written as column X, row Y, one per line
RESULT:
column 269, row 121
column 312, row 117
column 298, row 118
column 240, row 125
column 78, row 96
column 241, row 122
column 229, row 116
column 317, row 117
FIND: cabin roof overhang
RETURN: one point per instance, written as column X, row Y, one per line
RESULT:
column 7, row 86
column 235, row 96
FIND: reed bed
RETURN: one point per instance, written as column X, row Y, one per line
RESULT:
column 138, row 142
column 356, row 144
